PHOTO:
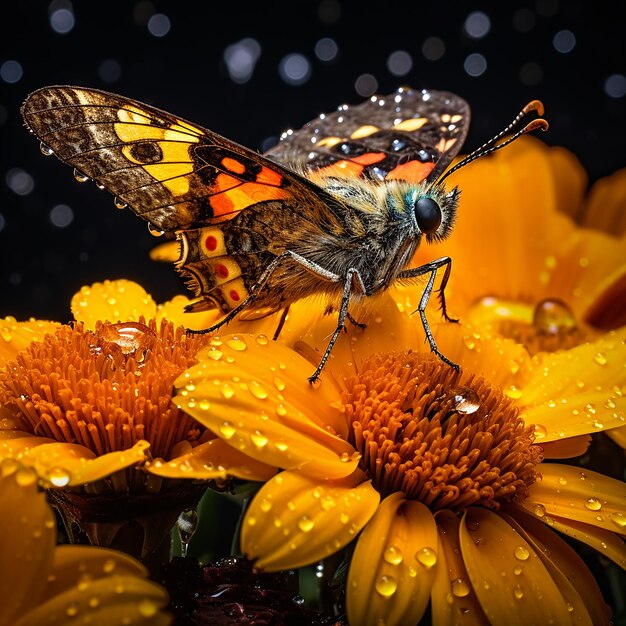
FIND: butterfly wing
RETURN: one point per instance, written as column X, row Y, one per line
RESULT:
column 410, row 134
column 179, row 177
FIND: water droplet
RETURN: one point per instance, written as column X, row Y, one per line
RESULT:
column 328, row 503
column 344, row 518
column 393, row 555
column 227, row 430
column 427, row 557
column 109, row 566
column 147, row 608
column 281, row 410
column 590, row 409
column 187, row 523
column 514, row 392
column 305, row 524
column 236, row 344
column 344, row 457
column 619, row 519
column 119, row 204
column 204, row 405
column 262, row 340
column 25, row 477
column 553, row 317
column 81, row 178
column 593, row 504
column 562, row 480
column 259, row 439
column 466, row 400
column 214, row 354
column 100, row 186
column 517, row 570
column 257, row 390
column 59, row 477
column 299, row 600
column 539, row 510
column 600, row 359
column 251, row 520
column 540, row 431
column 470, row 344
column 227, row 391
column 45, row 150
column 279, row 383
column 518, row 592
column 72, row 610
column 460, row 588
column 521, row 553
column 154, row 231
column 386, row 586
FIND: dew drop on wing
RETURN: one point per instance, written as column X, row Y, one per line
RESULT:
column 81, row 178
column 46, row 150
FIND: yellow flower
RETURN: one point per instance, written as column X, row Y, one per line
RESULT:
column 522, row 267
column 439, row 471
column 88, row 406
column 41, row 583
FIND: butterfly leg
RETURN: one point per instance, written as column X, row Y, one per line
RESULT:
column 355, row 323
column 432, row 268
column 281, row 323
column 352, row 277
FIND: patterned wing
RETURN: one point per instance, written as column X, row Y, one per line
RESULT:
column 410, row 134
column 180, row 177
column 172, row 173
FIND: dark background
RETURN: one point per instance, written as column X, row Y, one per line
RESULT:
column 110, row 46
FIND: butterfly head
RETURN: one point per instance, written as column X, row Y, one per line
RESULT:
column 433, row 209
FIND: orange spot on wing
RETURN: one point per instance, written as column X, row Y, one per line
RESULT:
column 224, row 182
column 412, row 171
column 234, row 200
column 269, row 177
column 352, row 167
column 233, row 165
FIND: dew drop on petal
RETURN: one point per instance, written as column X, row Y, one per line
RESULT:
column 553, row 317
column 619, row 519
column 109, row 566
column 257, row 390
column 236, row 344
column 518, row 592
column 147, row 608
column 259, row 439
column 540, row 431
column 227, row 391
column 521, row 553
column 466, row 400
column 600, row 359
column 59, row 477
column 593, row 504
column 427, row 557
column 539, row 510
column 227, row 430
column 305, row 524
column 460, row 588
column 25, row 477
column 386, row 586
column 393, row 555
column 262, row 340
column 279, row 383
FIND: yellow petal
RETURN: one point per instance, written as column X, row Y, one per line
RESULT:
column 573, row 577
column 570, row 180
column 254, row 394
column 168, row 251
column 608, row 544
column 618, row 435
column 295, row 520
column 453, row 601
column 113, row 300
column 566, row 448
column 102, row 602
column 174, row 311
column 606, row 202
column 492, row 550
column 15, row 336
column 577, row 391
column 73, row 563
column 67, row 464
column 393, row 565
column 581, row 495
column 27, row 539
column 210, row 460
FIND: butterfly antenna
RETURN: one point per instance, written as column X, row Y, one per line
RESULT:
column 492, row 146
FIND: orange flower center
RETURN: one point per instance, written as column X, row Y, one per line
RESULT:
column 442, row 437
column 104, row 390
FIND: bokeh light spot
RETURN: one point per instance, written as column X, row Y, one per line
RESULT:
column 433, row 48
column 399, row 63
column 615, row 86
column 326, row 49
column 564, row 41
column 11, row 71
column 477, row 25
column 365, row 85
column 61, row 215
column 19, row 181
column 159, row 25
column 475, row 64
column 294, row 69
column 241, row 58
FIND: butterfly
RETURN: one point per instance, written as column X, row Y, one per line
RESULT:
column 337, row 208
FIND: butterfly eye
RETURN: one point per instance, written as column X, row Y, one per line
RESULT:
column 428, row 215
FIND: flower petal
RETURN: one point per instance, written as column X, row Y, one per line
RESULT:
column 113, row 300
column 295, row 520
column 606, row 543
column 210, row 460
column 606, row 202
column 27, row 539
column 102, row 602
column 174, row 311
column 618, row 435
column 74, row 563
column 575, row 580
column 577, row 391
column 393, row 565
column 453, row 601
column 168, row 251
column 566, row 448
column 254, row 395
column 15, row 336
column 570, row 181
column 63, row 464
column 580, row 495
column 492, row 551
